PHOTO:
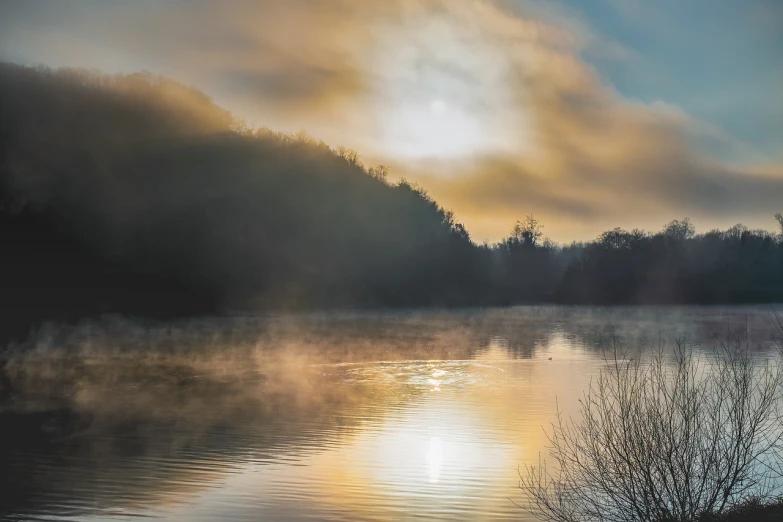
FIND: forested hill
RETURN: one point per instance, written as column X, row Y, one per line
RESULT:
column 136, row 194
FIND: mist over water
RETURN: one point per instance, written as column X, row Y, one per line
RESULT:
column 367, row 416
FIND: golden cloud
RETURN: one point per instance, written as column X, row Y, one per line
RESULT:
column 523, row 123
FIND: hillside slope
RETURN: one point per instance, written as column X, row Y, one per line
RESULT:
column 137, row 194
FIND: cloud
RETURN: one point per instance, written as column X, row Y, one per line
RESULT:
column 530, row 126
column 282, row 57
column 288, row 56
column 594, row 159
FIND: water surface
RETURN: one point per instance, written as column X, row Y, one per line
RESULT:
column 387, row 416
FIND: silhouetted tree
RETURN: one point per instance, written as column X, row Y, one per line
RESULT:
column 527, row 232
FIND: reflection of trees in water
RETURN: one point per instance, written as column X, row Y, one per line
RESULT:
column 524, row 331
column 122, row 415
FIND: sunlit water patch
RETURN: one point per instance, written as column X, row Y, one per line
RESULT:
column 342, row 417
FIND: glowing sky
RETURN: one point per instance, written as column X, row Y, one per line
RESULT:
column 588, row 114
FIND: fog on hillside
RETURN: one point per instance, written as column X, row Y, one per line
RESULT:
column 149, row 199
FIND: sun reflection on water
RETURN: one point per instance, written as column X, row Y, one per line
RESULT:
column 434, row 458
column 435, row 380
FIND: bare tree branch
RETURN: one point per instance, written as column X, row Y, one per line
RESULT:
column 675, row 437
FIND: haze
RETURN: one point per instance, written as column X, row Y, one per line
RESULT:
column 584, row 114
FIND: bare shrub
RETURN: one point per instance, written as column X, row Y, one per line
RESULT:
column 675, row 437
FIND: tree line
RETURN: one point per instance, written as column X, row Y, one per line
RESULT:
column 136, row 194
column 673, row 265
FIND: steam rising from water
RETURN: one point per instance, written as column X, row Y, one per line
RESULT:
column 334, row 413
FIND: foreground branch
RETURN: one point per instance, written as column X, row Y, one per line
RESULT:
column 676, row 437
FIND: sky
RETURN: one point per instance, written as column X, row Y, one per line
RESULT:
column 587, row 114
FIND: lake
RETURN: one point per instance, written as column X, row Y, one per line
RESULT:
column 342, row 416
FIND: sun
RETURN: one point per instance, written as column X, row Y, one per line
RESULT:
column 437, row 107
column 436, row 128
